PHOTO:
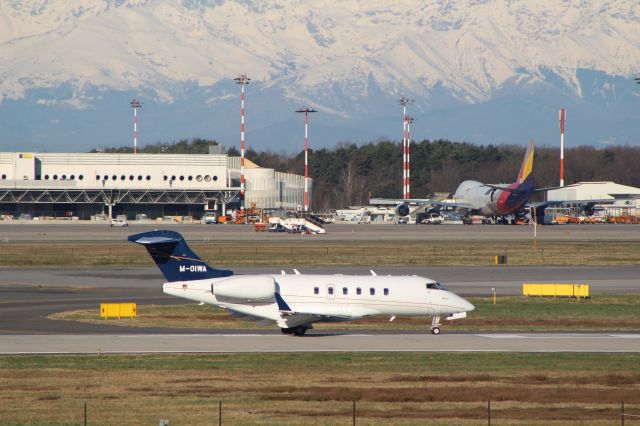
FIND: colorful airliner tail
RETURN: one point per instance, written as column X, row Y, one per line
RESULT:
column 527, row 163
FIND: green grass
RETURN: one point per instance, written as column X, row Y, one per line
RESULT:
column 337, row 363
column 511, row 313
column 319, row 253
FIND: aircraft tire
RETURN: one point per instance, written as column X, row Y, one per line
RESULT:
column 286, row 330
column 299, row 330
column 435, row 330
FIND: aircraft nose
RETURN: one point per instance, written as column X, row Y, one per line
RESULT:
column 463, row 305
column 467, row 307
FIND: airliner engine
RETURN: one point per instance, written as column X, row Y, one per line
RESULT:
column 245, row 289
column 402, row 209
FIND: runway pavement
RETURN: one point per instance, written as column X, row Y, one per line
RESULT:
column 28, row 296
column 224, row 343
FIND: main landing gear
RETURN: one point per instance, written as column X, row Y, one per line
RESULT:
column 435, row 325
column 296, row 331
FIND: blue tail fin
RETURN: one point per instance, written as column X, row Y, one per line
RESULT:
column 174, row 257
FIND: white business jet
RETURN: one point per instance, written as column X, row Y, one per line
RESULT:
column 294, row 302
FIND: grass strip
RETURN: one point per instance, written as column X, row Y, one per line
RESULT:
column 277, row 389
column 318, row 253
column 512, row 313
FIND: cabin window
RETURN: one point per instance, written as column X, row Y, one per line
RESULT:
column 372, row 291
column 316, row 290
column 148, row 177
column 345, row 290
column 80, row 177
column 358, row 291
column 386, row 291
column 72, row 177
column 330, row 290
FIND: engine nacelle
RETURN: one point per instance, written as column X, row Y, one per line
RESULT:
column 402, row 209
column 245, row 289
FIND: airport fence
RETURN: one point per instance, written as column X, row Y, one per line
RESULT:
column 211, row 412
column 320, row 254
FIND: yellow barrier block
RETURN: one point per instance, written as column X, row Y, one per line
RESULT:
column 118, row 310
column 556, row 290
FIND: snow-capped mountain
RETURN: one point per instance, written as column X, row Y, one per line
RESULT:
column 67, row 68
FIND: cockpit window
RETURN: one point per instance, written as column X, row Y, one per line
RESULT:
column 436, row 286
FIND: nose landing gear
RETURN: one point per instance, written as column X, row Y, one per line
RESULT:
column 435, row 325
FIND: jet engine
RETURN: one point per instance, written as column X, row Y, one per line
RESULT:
column 245, row 289
column 402, row 209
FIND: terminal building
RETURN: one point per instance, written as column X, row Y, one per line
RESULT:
column 84, row 185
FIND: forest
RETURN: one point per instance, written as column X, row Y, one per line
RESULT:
column 349, row 174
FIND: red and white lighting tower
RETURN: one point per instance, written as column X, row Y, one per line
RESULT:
column 404, row 101
column 135, row 104
column 306, row 111
column 408, row 181
column 563, row 116
column 243, row 80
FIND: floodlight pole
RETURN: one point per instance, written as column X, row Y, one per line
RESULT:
column 562, row 121
column 306, row 111
column 409, row 120
column 243, row 80
column 404, row 101
column 135, row 104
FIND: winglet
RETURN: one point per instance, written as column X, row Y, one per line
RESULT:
column 527, row 163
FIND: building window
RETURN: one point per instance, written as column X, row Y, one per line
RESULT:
column 316, row 290
column 215, row 178
column 207, row 178
column 345, row 290
column 358, row 291
column 372, row 291
column 199, row 178
column 386, row 291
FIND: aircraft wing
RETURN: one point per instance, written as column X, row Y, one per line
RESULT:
column 396, row 201
column 325, row 314
column 454, row 204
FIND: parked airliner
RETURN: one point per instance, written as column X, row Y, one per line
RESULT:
column 295, row 301
column 475, row 197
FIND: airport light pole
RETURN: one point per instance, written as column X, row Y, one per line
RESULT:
column 408, row 183
column 135, row 104
column 306, row 111
column 562, row 121
column 243, row 80
column 404, row 101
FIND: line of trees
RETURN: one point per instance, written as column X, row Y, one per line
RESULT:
column 350, row 174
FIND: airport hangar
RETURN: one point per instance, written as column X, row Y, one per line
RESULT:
column 614, row 199
column 157, row 185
